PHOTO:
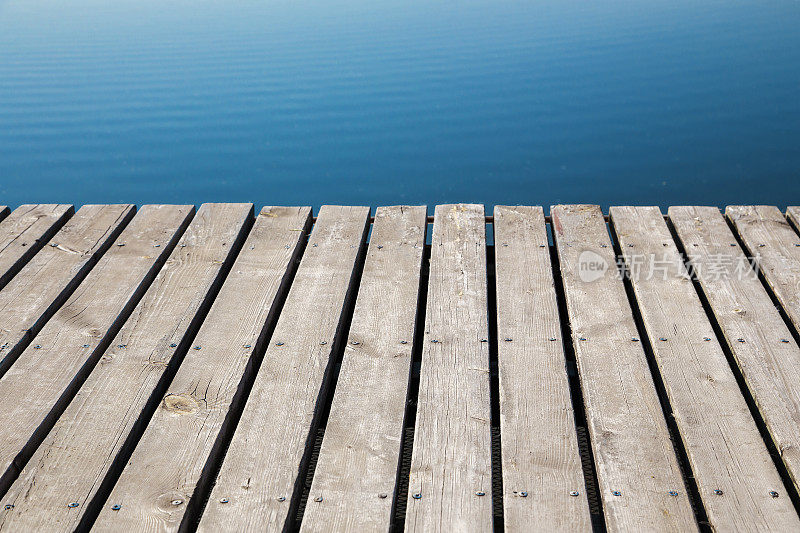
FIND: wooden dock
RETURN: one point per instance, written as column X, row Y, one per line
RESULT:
column 172, row 368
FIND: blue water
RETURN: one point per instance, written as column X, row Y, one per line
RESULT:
column 388, row 101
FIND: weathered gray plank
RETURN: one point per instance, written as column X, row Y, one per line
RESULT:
column 72, row 461
column 31, row 298
column 35, row 390
column 358, row 460
column 631, row 444
column 451, row 460
column 169, row 459
column 261, row 464
column 721, row 439
column 756, row 335
column 767, row 235
column 793, row 213
column 24, row 233
column 541, row 462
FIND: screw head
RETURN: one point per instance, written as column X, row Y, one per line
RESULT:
column 581, row 338
column 278, row 344
column 355, row 343
column 480, row 493
column 383, row 495
column 224, row 500
column 72, row 505
column 524, row 494
column 616, row 493
column 508, row 339
column 37, row 347
column 173, row 345
column 403, row 342
column 120, row 244
column 673, row 493
column 318, row 499
column 785, row 340
column 662, row 339
column 635, row 339
column 484, row 340
column 116, row 507
column 323, row 343
column 718, row 492
column 706, row 339
column 542, row 246
column 417, row 496
column 281, row 498
column 552, row 339
column 8, row 506
column 773, row 493
column 740, row 340
column 197, row 347
column 434, row 341
column 380, row 246
column 574, row 493
column 248, row 346
column 85, row 345
column 121, row 345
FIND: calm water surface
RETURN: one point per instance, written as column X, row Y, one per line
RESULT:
column 388, row 101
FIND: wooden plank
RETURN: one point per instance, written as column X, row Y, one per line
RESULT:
column 450, row 483
column 630, row 440
column 722, row 442
column 754, row 331
column 37, row 388
column 261, row 464
column 793, row 214
column 357, row 466
column 541, row 462
column 169, row 459
column 44, row 284
column 24, row 233
column 71, row 462
column 766, row 234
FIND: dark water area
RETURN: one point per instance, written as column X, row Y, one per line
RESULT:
column 418, row 102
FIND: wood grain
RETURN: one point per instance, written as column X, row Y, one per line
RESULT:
column 38, row 387
column 721, row 439
column 24, row 233
column 357, row 466
column 765, row 351
column 767, row 235
column 630, row 440
column 50, row 277
column 169, row 459
column 71, row 463
column 265, row 455
column 451, row 461
column 541, row 462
